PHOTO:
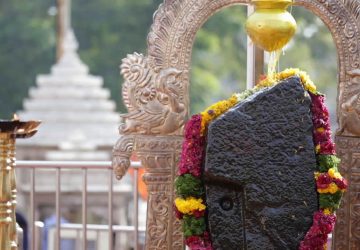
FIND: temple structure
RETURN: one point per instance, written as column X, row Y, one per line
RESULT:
column 79, row 122
column 68, row 100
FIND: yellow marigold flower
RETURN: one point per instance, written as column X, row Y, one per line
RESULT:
column 332, row 189
column 215, row 110
column 304, row 77
column 188, row 205
column 327, row 211
column 317, row 175
column 332, row 172
column 320, row 130
column 310, row 87
column 308, row 84
column 337, row 175
column 288, row 72
column 317, row 148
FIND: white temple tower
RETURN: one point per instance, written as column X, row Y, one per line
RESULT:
column 69, row 100
column 79, row 122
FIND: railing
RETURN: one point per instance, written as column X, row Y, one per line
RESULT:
column 84, row 166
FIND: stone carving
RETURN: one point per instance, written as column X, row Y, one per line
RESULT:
column 157, row 84
column 159, row 156
column 121, row 155
column 348, row 218
column 259, row 172
column 354, row 7
column 154, row 100
column 350, row 119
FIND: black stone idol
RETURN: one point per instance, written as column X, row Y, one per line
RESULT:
column 259, row 171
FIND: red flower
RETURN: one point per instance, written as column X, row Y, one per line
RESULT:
column 319, row 122
column 198, row 213
column 316, row 237
column 178, row 214
column 193, row 239
column 327, row 148
column 326, row 222
column 323, row 181
column 320, row 113
column 320, row 137
column 199, row 242
column 191, row 156
column 341, row 183
column 193, row 127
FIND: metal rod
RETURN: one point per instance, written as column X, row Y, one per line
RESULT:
column 32, row 207
column 57, row 209
column 77, row 244
column 70, row 164
column 97, row 240
column 116, row 228
column 84, row 208
column 255, row 59
column 110, row 209
column 136, row 212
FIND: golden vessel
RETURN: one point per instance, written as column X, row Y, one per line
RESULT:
column 271, row 26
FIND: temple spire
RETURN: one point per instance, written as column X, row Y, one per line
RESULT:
column 63, row 24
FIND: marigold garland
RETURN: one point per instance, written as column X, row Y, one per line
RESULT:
column 190, row 205
column 215, row 110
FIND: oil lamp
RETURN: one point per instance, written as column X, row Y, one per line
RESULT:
column 9, row 131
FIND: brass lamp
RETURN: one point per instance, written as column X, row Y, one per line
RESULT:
column 9, row 131
column 271, row 26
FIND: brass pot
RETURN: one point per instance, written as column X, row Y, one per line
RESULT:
column 271, row 27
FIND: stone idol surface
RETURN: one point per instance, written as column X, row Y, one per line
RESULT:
column 259, row 171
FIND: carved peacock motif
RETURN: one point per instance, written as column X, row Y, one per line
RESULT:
column 154, row 100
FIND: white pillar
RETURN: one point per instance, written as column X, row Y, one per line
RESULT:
column 255, row 59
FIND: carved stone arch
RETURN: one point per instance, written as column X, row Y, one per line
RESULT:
column 173, row 32
column 156, row 89
column 176, row 23
column 343, row 23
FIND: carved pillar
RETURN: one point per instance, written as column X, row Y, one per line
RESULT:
column 152, row 128
column 347, row 229
column 160, row 155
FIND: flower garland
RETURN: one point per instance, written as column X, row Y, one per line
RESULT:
column 329, row 182
column 190, row 204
